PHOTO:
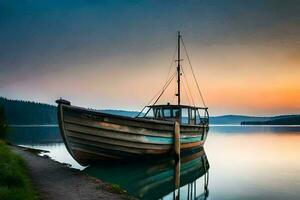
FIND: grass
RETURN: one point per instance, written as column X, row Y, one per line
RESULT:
column 14, row 181
column 117, row 189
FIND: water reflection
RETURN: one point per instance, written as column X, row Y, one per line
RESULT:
column 255, row 129
column 191, row 186
column 159, row 179
column 247, row 162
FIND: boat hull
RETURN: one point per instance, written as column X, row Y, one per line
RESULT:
column 92, row 136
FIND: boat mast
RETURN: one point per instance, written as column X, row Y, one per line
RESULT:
column 178, row 68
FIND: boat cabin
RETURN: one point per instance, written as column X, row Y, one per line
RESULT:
column 184, row 114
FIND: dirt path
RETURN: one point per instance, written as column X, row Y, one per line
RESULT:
column 55, row 181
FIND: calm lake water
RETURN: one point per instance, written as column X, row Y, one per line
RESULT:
column 237, row 162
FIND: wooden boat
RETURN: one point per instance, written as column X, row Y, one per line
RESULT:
column 91, row 135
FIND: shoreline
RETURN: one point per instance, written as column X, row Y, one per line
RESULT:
column 57, row 181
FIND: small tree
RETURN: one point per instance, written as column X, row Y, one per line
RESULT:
column 3, row 124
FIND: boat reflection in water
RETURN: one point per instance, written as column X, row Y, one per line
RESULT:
column 164, row 178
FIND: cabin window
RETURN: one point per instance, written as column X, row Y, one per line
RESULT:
column 198, row 119
column 184, row 116
column 167, row 112
column 176, row 113
column 192, row 116
column 150, row 113
column 157, row 112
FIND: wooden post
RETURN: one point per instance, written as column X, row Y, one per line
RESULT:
column 177, row 159
column 177, row 140
column 177, row 178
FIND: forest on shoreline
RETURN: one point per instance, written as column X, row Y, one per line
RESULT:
column 19, row 112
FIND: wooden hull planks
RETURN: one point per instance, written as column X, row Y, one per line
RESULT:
column 92, row 136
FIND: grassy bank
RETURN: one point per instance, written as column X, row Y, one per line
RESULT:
column 14, row 181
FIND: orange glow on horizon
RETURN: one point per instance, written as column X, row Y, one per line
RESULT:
column 234, row 80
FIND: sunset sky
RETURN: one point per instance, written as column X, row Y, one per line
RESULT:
column 116, row 54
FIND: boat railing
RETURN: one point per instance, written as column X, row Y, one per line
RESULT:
column 185, row 114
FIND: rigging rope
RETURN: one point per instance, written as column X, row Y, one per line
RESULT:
column 172, row 62
column 186, row 93
column 166, row 86
column 190, row 94
column 173, row 99
column 169, row 80
column 187, row 55
column 159, row 92
column 188, row 86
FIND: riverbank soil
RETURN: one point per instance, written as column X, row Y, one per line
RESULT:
column 55, row 181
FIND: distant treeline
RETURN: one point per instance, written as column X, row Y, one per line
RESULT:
column 3, row 124
column 278, row 120
column 235, row 119
column 18, row 112
column 26, row 112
